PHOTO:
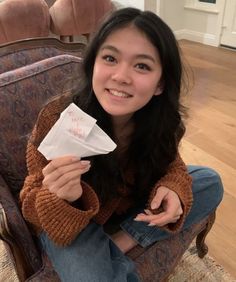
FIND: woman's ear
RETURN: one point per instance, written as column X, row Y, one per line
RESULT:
column 159, row 89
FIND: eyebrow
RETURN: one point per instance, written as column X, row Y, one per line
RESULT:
column 139, row 56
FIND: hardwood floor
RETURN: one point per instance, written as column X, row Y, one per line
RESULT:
column 210, row 139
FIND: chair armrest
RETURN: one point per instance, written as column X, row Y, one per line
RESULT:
column 15, row 232
column 46, row 273
column 156, row 262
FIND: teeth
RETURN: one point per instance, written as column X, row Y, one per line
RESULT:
column 119, row 94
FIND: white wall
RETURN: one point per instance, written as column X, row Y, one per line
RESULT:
column 132, row 3
column 189, row 19
column 172, row 12
column 151, row 5
column 195, row 21
column 204, row 24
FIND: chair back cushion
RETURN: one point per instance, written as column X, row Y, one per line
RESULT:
column 23, row 19
column 76, row 17
column 23, row 92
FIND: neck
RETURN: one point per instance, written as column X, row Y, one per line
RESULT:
column 120, row 123
column 123, row 127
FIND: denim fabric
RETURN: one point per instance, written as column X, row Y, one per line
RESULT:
column 93, row 257
column 207, row 194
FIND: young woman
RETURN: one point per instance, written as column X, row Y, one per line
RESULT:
column 89, row 213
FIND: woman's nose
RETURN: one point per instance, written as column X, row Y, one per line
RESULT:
column 122, row 74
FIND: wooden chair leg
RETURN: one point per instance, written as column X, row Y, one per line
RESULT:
column 64, row 38
column 202, row 248
column 71, row 38
column 86, row 35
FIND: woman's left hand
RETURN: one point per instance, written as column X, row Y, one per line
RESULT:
column 170, row 203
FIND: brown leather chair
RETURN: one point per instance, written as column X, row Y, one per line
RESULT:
column 70, row 18
column 34, row 71
column 20, row 19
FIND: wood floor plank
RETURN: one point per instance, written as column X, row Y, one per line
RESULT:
column 210, row 138
column 221, row 128
column 192, row 154
column 221, row 246
column 223, row 151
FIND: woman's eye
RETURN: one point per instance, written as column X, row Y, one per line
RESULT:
column 109, row 58
column 142, row 66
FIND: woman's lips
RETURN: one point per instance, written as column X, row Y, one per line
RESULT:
column 118, row 93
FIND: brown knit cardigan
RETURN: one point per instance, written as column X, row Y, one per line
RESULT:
column 63, row 221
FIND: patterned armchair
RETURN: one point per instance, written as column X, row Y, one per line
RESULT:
column 31, row 73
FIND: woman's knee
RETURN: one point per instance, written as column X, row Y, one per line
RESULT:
column 209, row 180
column 216, row 184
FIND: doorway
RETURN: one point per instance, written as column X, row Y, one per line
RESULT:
column 228, row 37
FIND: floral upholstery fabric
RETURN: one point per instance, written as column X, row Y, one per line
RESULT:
column 21, row 54
column 23, row 92
column 155, row 263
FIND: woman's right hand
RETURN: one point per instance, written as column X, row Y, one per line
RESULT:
column 62, row 177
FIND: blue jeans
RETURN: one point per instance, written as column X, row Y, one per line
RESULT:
column 93, row 257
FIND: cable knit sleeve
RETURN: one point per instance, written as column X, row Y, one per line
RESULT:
column 60, row 220
column 178, row 180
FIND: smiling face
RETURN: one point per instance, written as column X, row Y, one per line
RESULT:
column 126, row 73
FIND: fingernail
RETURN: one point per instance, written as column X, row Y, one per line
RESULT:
column 136, row 219
column 148, row 212
column 85, row 162
column 154, row 206
column 87, row 168
column 151, row 224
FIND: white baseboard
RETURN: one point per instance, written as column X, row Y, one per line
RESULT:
column 205, row 38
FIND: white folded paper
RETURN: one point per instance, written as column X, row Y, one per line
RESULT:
column 75, row 134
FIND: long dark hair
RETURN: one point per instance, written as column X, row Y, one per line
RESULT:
column 158, row 126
